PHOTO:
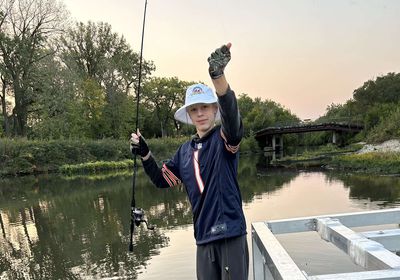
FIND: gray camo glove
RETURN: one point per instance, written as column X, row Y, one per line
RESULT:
column 218, row 61
column 138, row 145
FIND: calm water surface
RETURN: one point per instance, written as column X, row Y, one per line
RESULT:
column 54, row 227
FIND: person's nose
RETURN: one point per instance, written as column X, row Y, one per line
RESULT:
column 200, row 112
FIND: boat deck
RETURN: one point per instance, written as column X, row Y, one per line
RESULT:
column 375, row 251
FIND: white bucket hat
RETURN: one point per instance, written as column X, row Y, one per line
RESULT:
column 195, row 94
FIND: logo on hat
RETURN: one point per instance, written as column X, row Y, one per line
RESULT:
column 197, row 90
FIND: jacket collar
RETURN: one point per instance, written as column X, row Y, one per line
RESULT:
column 197, row 139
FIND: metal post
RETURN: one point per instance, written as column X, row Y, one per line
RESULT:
column 273, row 143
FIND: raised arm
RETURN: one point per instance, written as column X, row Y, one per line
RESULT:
column 232, row 127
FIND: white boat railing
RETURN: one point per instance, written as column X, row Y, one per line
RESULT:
column 373, row 250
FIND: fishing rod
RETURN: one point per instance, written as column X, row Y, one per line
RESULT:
column 137, row 213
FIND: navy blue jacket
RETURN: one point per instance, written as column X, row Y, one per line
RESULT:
column 207, row 167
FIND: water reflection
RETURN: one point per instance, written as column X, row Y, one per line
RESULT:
column 385, row 189
column 72, row 227
column 254, row 179
column 67, row 228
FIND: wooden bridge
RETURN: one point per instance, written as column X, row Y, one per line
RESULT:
column 268, row 137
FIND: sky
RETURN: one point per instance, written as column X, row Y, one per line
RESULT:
column 303, row 54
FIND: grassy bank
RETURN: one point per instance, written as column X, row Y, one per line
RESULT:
column 383, row 163
column 316, row 156
column 345, row 159
column 23, row 157
column 94, row 167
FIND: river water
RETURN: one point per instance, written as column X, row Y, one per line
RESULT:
column 56, row 227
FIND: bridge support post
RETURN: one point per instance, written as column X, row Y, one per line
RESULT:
column 273, row 142
column 334, row 137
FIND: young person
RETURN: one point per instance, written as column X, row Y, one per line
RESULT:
column 207, row 166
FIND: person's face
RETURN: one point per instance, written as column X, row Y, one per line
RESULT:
column 203, row 116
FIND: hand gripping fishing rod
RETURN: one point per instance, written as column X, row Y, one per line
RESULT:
column 137, row 214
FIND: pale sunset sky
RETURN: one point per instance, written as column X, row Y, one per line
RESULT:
column 303, row 54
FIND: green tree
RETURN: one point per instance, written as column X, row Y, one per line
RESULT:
column 52, row 113
column 27, row 26
column 94, row 52
column 119, row 116
column 384, row 89
column 4, row 104
column 374, row 105
column 263, row 113
column 245, row 104
column 92, row 101
column 162, row 96
column 388, row 128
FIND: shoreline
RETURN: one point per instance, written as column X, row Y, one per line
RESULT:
column 345, row 161
column 335, row 165
column 381, row 159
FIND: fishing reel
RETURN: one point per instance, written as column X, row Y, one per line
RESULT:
column 138, row 217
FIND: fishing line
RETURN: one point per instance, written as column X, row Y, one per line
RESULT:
column 221, row 19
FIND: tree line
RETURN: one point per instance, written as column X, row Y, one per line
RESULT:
column 375, row 105
column 67, row 80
